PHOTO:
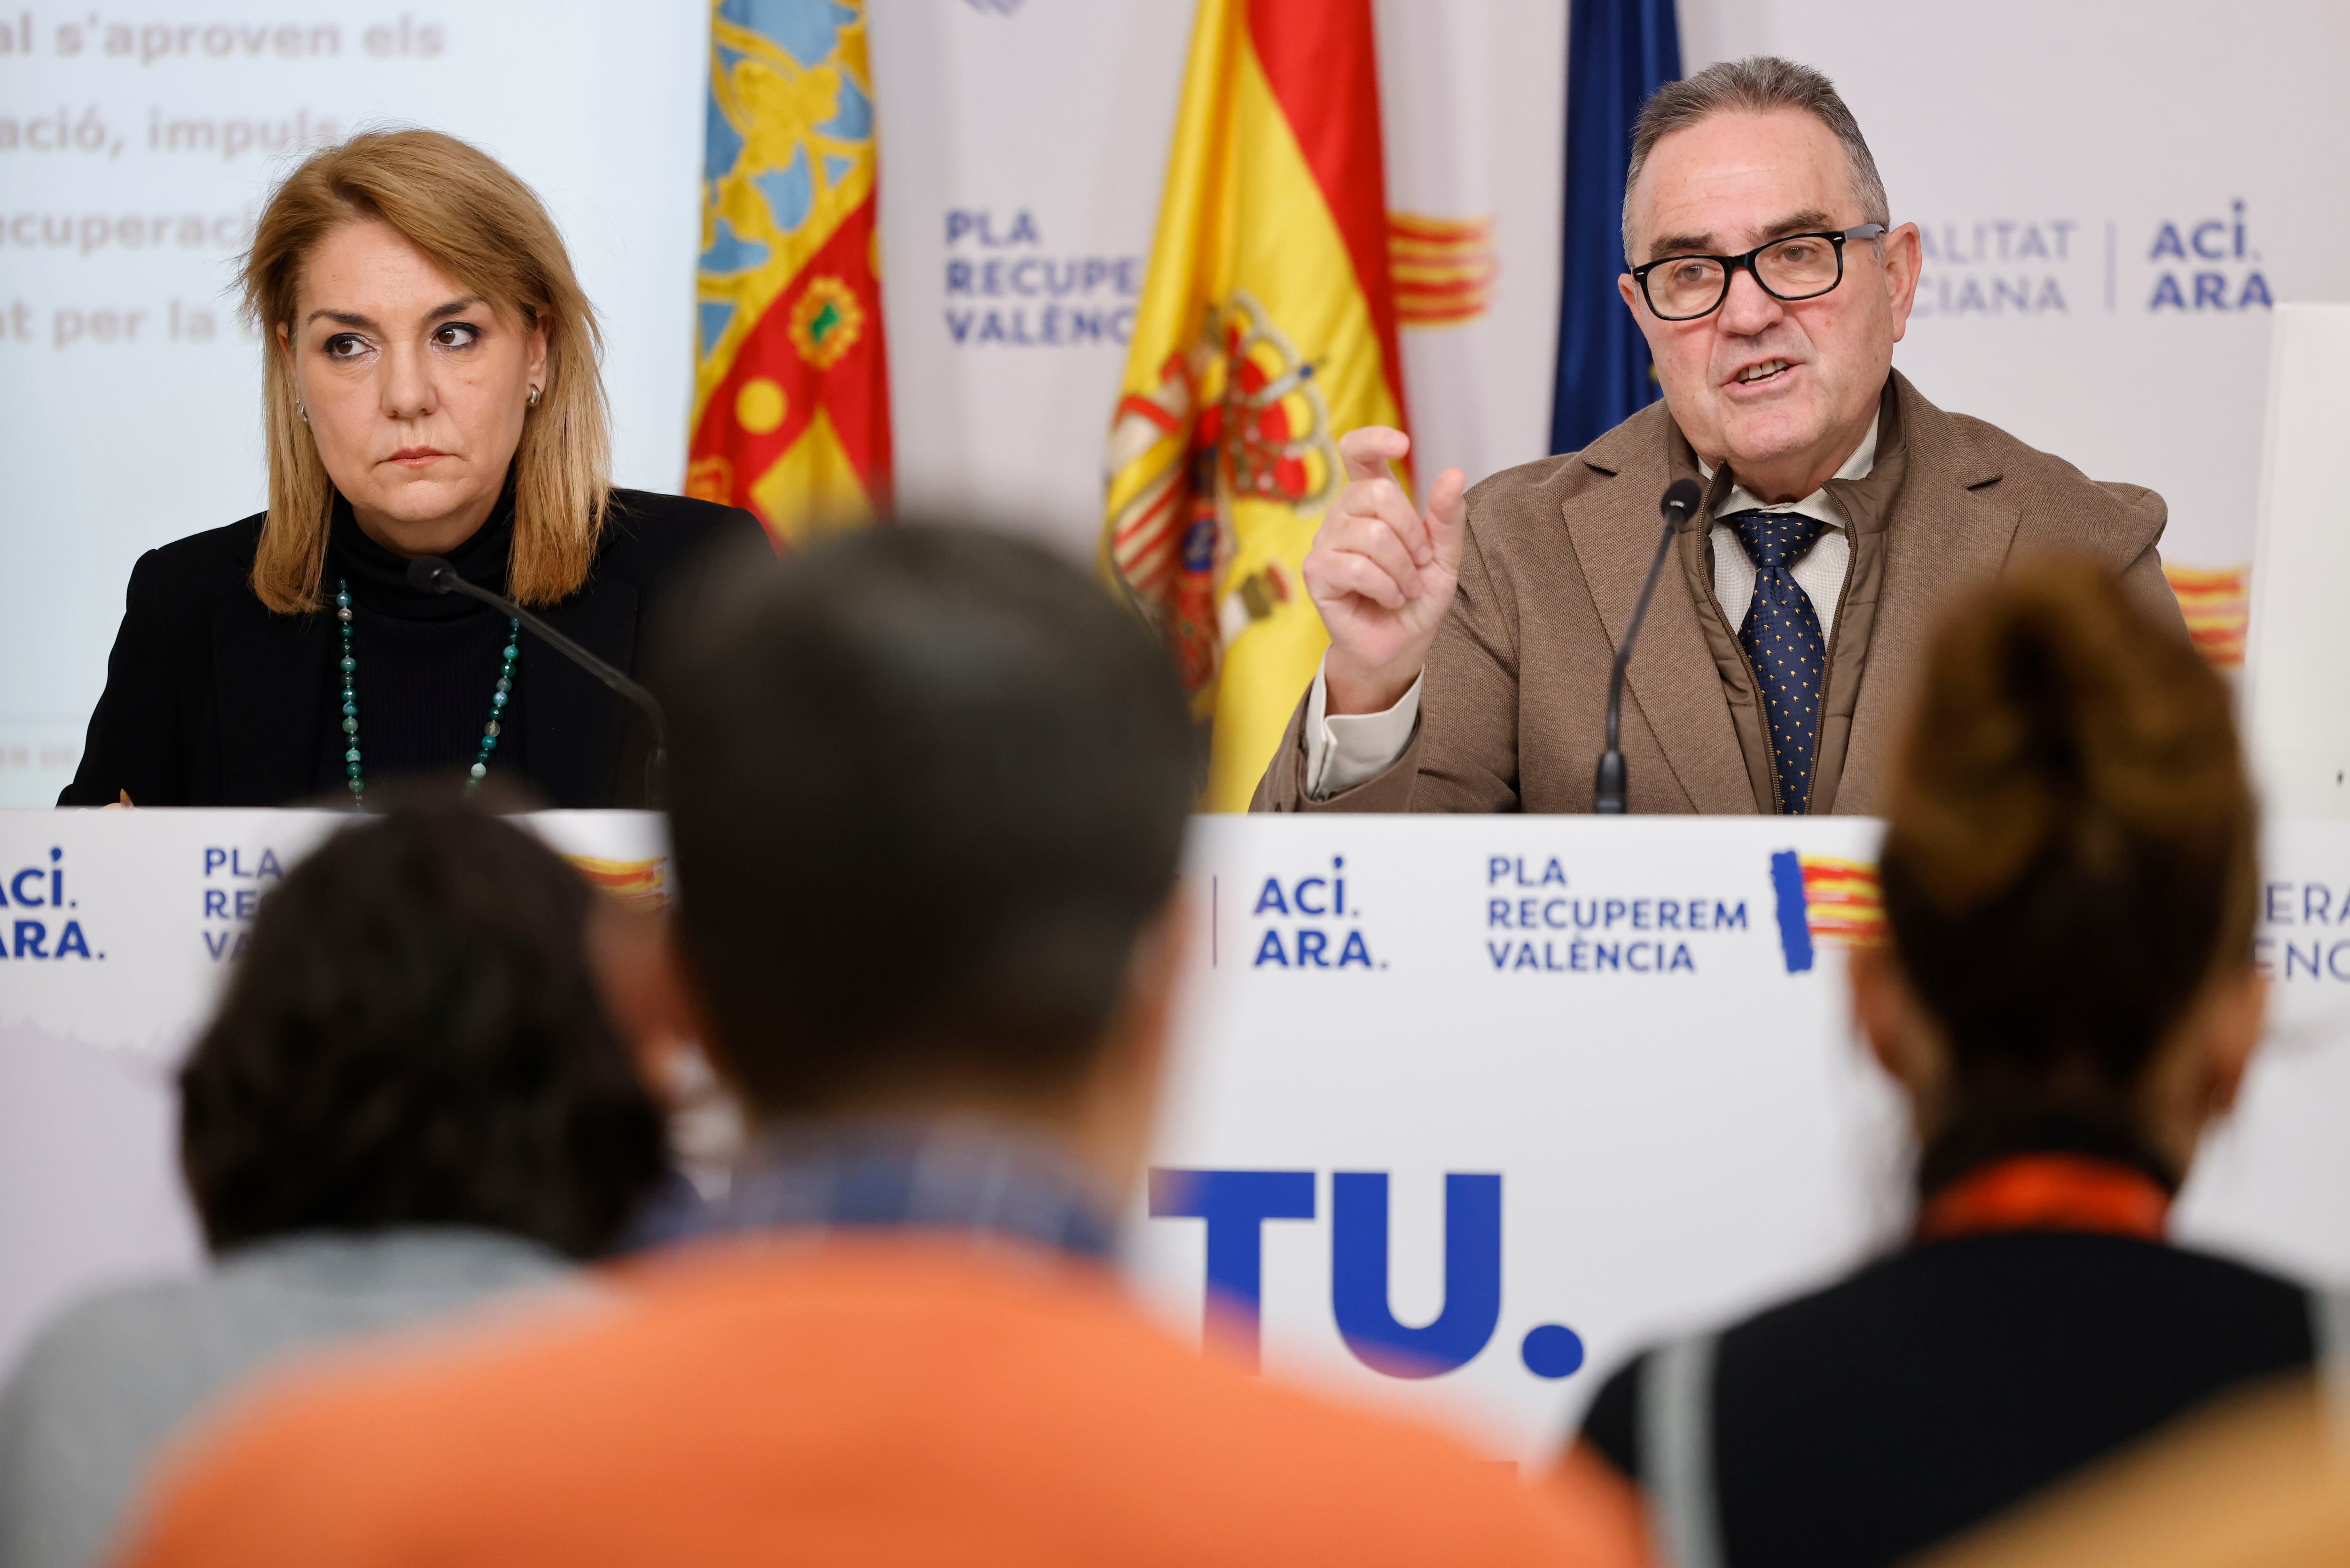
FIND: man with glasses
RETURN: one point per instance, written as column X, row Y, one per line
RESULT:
column 1471, row 641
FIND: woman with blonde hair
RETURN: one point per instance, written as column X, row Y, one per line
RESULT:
column 430, row 388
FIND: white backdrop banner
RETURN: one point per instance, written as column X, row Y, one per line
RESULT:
column 2295, row 726
column 1483, row 1104
column 2113, row 196
column 1465, row 1109
column 117, row 929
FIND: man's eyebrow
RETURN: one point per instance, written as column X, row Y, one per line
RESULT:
column 1681, row 245
column 1810, row 218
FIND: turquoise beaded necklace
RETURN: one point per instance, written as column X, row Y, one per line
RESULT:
column 350, row 668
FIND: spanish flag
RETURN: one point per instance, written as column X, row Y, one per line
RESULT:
column 790, row 392
column 1266, row 330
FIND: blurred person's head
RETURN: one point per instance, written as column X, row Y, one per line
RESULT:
column 1738, row 156
column 2069, row 879
column 413, row 1037
column 928, row 787
column 426, row 338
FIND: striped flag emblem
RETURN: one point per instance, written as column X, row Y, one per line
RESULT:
column 1825, row 901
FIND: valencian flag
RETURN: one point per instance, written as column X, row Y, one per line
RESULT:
column 1617, row 53
column 790, row 391
column 1265, row 331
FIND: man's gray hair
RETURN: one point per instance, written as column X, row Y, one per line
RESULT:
column 1757, row 84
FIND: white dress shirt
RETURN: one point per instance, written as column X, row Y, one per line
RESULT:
column 1343, row 750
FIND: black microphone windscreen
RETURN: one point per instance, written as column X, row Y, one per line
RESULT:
column 1682, row 496
column 425, row 572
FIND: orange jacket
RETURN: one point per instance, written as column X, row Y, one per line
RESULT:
column 894, row 1399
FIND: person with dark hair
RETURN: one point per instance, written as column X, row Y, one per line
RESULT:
column 944, row 994
column 409, row 1100
column 2068, row 999
column 1839, row 512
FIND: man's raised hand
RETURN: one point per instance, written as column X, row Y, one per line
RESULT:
column 1381, row 574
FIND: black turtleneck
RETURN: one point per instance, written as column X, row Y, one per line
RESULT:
column 427, row 662
column 213, row 699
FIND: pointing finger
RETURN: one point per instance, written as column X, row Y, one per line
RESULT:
column 1368, row 452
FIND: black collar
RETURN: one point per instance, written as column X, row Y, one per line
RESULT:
column 378, row 576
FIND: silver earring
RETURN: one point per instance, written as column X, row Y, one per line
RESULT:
column 534, row 397
column 300, row 412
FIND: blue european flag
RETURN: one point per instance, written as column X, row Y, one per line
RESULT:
column 1618, row 52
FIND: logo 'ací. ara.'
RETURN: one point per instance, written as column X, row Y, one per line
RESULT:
column 48, row 934
column 1324, row 942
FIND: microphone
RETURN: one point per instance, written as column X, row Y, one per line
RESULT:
column 433, row 575
column 1607, row 789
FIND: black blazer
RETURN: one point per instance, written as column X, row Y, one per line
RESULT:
column 1940, row 1387
column 211, row 699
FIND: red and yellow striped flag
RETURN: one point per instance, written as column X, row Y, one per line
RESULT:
column 1844, row 901
column 1443, row 268
column 790, row 391
column 1265, row 331
column 2217, row 603
column 639, row 884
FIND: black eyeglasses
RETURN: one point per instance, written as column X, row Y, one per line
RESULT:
column 1793, row 266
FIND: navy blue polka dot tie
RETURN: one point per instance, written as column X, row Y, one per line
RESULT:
column 1782, row 638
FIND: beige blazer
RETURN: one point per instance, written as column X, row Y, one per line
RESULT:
column 1514, row 705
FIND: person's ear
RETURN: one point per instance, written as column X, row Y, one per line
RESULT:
column 2194, row 1078
column 681, row 1007
column 1646, row 320
column 627, row 951
column 655, row 1000
column 1887, row 1015
column 1120, row 1106
column 1903, row 264
column 535, row 374
column 1874, row 1007
column 2235, row 1013
column 293, row 366
column 1155, row 981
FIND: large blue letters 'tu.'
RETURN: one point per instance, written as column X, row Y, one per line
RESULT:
column 1358, row 1275
column 1235, row 1204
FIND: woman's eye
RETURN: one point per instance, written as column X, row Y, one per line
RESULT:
column 344, row 345
column 456, row 334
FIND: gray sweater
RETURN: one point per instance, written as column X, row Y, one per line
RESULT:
column 110, row 1379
